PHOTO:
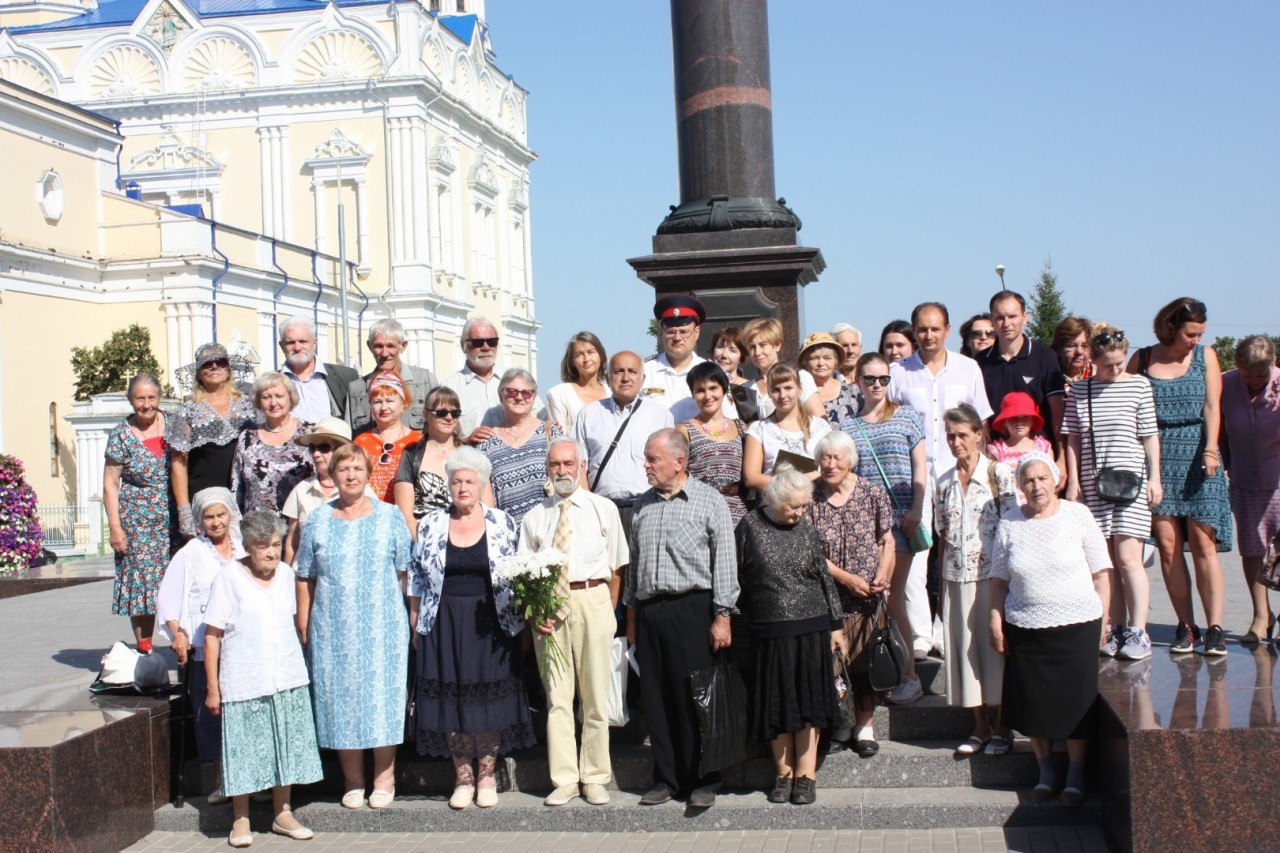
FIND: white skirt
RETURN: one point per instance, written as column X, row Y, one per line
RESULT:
column 975, row 671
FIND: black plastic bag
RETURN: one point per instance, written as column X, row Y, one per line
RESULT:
column 721, row 700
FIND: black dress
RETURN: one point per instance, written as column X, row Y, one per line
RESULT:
column 470, row 700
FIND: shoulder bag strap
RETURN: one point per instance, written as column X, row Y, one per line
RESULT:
column 614, row 444
column 875, row 458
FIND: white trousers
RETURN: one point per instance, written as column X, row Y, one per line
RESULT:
column 585, row 640
column 917, row 590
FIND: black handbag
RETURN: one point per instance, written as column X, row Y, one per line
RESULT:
column 886, row 653
column 720, row 698
column 1113, row 485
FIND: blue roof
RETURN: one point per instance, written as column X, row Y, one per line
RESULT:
column 116, row 13
column 462, row 26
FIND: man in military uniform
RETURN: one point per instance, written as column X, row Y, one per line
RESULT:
column 679, row 319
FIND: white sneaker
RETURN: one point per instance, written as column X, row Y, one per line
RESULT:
column 907, row 692
column 1135, row 645
column 922, row 647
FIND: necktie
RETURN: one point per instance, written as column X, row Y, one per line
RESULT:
column 560, row 541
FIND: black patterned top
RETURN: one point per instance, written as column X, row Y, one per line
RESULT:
column 718, row 464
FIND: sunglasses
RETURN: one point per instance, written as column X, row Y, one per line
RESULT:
column 872, row 380
column 446, row 413
column 1108, row 338
column 519, row 394
column 322, row 448
column 385, row 458
column 217, row 362
column 1193, row 308
column 982, row 333
column 482, row 342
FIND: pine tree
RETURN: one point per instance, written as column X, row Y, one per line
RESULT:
column 1047, row 308
column 110, row 367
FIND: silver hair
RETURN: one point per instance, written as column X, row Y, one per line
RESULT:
column 565, row 439
column 212, row 496
column 271, row 379
column 295, row 321
column 840, row 328
column 513, row 374
column 477, row 320
column 787, row 481
column 468, row 459
column 258, row 528
column 672, row 440
column 1039, row 457
column 837, row 442
column 387, row 328
column 142, row 379
column 1255, row 351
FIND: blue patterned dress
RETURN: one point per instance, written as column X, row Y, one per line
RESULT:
column 144, row 515
column 358, row 636
column 1180, row 415
column 519, row 473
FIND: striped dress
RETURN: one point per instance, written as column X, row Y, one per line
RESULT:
column 519, row 473
column 1124, row 412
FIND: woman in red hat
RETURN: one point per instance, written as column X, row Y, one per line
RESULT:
column 1020, row 426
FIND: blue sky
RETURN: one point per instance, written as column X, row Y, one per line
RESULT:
column 1135, row 144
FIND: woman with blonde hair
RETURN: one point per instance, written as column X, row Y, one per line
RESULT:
column 269, row 463
column 763, row 340
column 790, row 429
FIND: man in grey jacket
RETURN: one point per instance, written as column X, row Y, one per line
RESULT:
column 387, row 342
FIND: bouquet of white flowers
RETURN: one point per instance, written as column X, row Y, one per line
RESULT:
column 533, row 577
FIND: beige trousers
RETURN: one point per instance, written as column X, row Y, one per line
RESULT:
column 585, row 640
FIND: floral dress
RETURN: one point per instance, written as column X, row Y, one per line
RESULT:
column 263, row 475
column 144, row 515
column 358, row 636
column 851, row 536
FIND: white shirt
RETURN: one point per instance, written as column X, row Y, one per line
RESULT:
column 598, row 423
column 597, row 543
column 185, row 588
column 774, row 439
column 663, row 383
column 563, row 405
column 260, row 653
column 313, row 395
column 960, row 381
column 480, row 401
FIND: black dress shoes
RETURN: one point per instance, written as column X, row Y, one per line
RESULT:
column 657, row 795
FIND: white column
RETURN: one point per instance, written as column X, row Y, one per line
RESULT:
column 186, row 349
column 404, row 186
column 268, row 197
column 317, row 192
column 172, row 359
column 285, row 204
column 397, row 194
column 420, row 203
column 277, row 185
column 267, row 348
column 201, row 323
column 362, row 224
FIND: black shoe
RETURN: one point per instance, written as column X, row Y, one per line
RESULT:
column 1214, row 641
column 1185, row 640
column 781, row 792
column 656, row 796
column 1072, row 797
column 866, row 748
column 703, row 798
column 804, row 792
column 833, row 746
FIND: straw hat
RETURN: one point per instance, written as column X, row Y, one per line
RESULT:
column 333, row 430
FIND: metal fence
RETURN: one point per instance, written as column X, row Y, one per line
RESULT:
column 67, row 526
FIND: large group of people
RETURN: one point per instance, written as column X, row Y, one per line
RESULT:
column 339, row 583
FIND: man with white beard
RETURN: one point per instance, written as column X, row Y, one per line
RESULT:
column 322, row 388
column 588, row 529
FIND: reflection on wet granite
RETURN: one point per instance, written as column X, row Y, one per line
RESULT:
column 54, row 576
column 1185, row 744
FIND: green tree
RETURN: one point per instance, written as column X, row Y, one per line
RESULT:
column 1047, row 308
column 110, row 367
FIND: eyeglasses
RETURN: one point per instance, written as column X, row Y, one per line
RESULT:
column 446, row 413
column 385, row 458
column 679, row 331
column 217, row 362
column 525, row 394
column 1108, row 338
column 1191, row 309
column 322, row 448
column 982, row 333
column 476, row 343
column 872, row 380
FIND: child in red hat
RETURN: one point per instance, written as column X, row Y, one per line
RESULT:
column 1020, row 425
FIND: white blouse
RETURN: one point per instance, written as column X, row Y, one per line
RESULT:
column 774, row 439
column 1049, row 564
column 184, row 591
column 966, row 518
column 260, row 653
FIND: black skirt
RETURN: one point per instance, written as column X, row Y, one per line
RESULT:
column 794, row 685
column 1051, row 680
column 470, row 700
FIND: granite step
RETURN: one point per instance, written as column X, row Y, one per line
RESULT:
column 836, row 808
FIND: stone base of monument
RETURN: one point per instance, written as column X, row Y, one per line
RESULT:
column 1188, row 749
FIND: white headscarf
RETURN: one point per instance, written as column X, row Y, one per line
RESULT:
column 1034, row 456
column 212, row 496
